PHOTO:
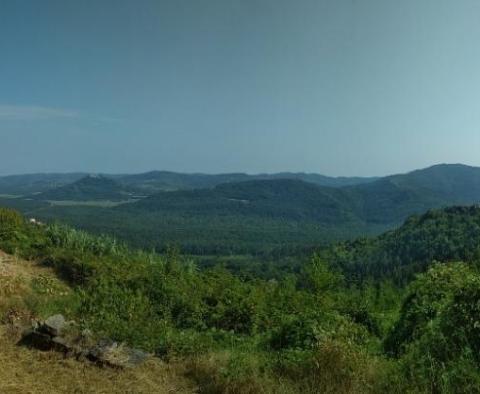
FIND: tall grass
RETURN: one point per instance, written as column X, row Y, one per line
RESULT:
column 80, row 241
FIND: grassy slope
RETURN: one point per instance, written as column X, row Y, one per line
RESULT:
column 444, row 235
column 320, row 338
column 34, row 372
column 26, row 370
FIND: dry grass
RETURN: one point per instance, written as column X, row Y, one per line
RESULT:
column 12, row 265
column 15, row 279
column 28, row 371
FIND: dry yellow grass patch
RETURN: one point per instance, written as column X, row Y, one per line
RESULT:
column 14, row 266
column 17, row 278
column 16, row 275
column 29, row 371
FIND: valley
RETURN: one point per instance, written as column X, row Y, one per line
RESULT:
column 238, row 213
column 392, row 312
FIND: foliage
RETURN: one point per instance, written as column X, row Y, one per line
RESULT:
column 450, row 234
column 89, row 188
column 437, row 336
column 317, row 328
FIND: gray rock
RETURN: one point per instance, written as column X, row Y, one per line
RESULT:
column 137, row 357
column 62, row 345
column 54, row 325
column 56, row 334
column 116, row 355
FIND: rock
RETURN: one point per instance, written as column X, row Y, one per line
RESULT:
column 62, row 345
column 137, row 357
column 54, row 325
column 116, row 355
column 56, row 334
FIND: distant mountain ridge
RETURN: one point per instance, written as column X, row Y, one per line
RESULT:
column 165, row 180
column 251, row 215
column 155, row 181
column 36, row 183
column 385, row 201
column 88, row 188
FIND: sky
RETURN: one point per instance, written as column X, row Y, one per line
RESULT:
column 338, row 87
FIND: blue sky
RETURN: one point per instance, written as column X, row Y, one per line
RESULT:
column 340, row 87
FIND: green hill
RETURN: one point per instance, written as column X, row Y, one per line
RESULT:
column 35, row 183
column 89, row 188
column 276, row 199
column 386, row 201
column 449, row 234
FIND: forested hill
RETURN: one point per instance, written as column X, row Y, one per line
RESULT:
column 35, row 183
column 89, row 188
column 456, row 182
column 392, row 199
column 388, row 201
column 446, row 235
column 276, row 199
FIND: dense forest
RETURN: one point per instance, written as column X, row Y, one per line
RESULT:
column 235, row 214
column 395, row 313
column 89, row 188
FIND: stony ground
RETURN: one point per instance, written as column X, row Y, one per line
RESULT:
column 23, row 370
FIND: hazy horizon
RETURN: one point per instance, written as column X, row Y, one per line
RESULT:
column 232, row 172
column 339, row 88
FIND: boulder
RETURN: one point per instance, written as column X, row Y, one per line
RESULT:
column 54, row 325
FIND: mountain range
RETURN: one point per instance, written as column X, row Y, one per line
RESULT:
column 241, row 212
column 88, row 188
column 156, row 181
column 387, row 200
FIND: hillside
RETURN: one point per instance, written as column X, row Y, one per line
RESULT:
column 26, row 370
column 210, row 331
column 89, row 188
column 449, row 234
column 456, row 182
column 35, row 183
column 386, row 201
column 278, row 199
column 207, row 331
